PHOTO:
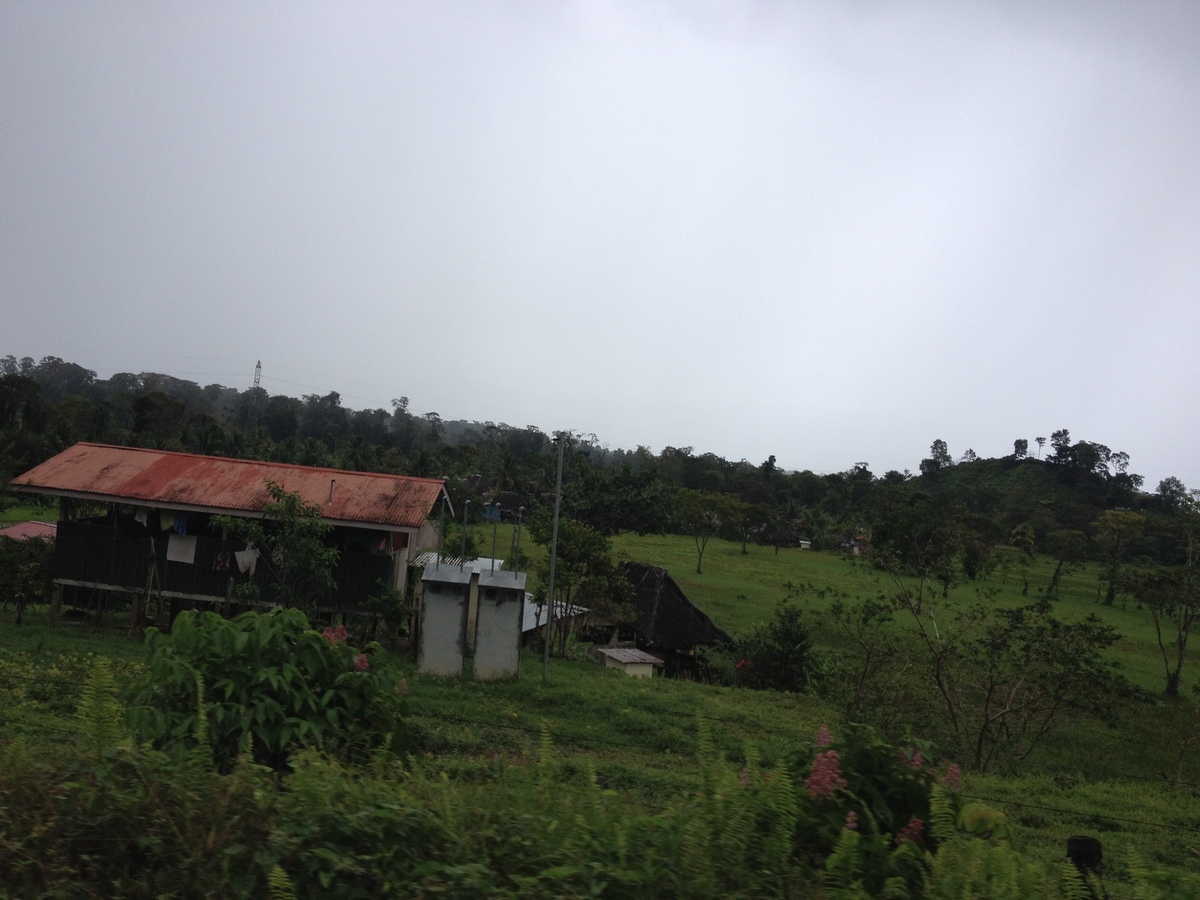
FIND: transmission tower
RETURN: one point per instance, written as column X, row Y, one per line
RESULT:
column 254, row 406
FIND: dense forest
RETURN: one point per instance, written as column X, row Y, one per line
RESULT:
column 1074, row 499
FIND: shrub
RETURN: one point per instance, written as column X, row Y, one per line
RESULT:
column 779, row 655
column 25, row 572
column 266, row 679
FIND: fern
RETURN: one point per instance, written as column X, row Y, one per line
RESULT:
column 280, row 887
column 705, row 748
column 100, row 716
column 782, row 802
column 967, row 868
column 545, row 761
column 200, row 757
column 1072, row 883
column 1144, row 881
column 843, row 867
column 942, row 821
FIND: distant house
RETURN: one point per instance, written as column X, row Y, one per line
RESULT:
column 668, row 625
column 138, row 523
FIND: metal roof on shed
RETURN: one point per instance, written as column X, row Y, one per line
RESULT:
column 237, row 486
column 24, row 531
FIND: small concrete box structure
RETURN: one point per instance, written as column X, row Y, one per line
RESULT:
column 498, row 618
column 445, row 600
column 633, row 662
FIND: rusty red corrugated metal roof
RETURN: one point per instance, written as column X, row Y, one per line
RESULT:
column 217, row 484
column 24, row 531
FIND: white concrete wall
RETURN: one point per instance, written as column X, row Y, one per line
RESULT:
column 498, row 632
column 441, row 647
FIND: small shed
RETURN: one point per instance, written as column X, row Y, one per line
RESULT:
column 469, row 609
column 633, row 662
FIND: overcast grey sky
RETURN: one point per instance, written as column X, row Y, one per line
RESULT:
column 829, row 231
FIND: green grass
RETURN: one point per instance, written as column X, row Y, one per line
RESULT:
column 640, row 736
column 27, row 512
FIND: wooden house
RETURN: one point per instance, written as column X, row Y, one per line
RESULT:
column 138, row 523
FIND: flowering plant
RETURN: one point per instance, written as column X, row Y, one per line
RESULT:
column 858, row 784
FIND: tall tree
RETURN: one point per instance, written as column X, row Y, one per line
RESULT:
column 702, row 515
column 1114, row 532
column 1171, row 593
column 1061, row 442
column 585, row 574
column 939, row 458
column 1068, row 546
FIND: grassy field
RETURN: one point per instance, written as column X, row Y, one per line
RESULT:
column 1125, row 786
column 25, row 512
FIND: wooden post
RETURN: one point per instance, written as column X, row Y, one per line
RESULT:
column 55, row 603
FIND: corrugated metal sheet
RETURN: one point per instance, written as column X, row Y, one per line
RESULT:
column 216, row 484
column 24, row 531
column 534, row 616
column 429, row 559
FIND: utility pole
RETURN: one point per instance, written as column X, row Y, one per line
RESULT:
column 561, row 439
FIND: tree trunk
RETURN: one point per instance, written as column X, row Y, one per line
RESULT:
column 1052, row 587
column 1173, row 683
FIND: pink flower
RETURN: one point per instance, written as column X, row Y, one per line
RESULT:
column 910, row 832
column 361, row 663
column 851, row 821
column 911, row 757
column 953, row 779
column 824, row 736
column 826, row 776
column 334, row 635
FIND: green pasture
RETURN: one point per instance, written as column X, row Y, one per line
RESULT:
column 741, row 591
column 26, row 512
column 1137, row 787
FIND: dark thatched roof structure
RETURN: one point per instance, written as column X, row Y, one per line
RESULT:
column 666, row 619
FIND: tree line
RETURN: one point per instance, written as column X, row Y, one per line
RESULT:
column 952, row 521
